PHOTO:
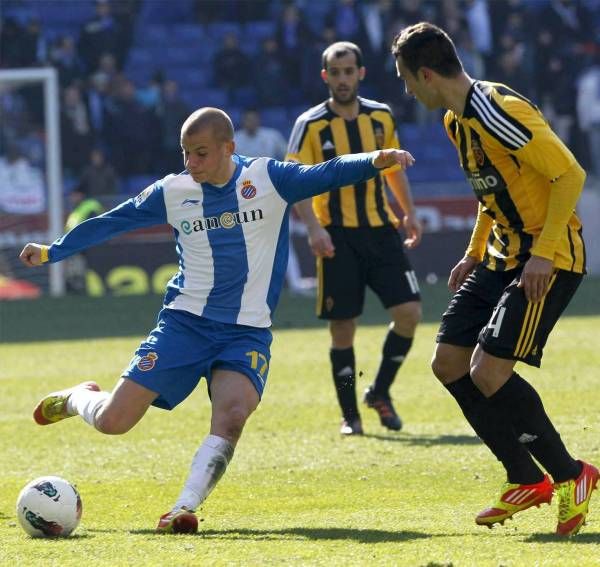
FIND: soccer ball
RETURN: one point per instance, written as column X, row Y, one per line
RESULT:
column 49, row 506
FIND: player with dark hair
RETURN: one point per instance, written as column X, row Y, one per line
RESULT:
column 353, row 233
column 524, row 262
column 230, row 219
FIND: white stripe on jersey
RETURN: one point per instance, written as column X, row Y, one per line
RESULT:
column 182, row 201
column 369, row 103
column 236, row 292
column 261, row 257
column 494, row 121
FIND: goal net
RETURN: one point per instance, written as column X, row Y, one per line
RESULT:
column 31, row 202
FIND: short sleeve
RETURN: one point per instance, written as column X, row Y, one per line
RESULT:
column 299, row 145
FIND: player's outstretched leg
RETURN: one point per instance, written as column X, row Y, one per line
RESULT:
column 53, row 407
column 515, row 498
column 574, row 499
column 182, row 521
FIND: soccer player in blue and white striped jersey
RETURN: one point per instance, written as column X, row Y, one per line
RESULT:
column 229, row 216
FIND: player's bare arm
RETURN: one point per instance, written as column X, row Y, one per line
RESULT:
column 474, row 253
column 34, row 254
column 399, row 186
column 318, row 238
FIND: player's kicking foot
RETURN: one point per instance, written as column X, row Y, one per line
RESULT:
column 574, row 498
column 384, row 408
column 515, row 498
column 182, row 521
column 53, row 407
column 351, row 426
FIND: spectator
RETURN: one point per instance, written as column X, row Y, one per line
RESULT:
column 83, row 207
column 570, row 24
column 311, row 65
column 256, row 140
column 98, row 178
column 64, row 57
column 230, row 66
column 588, row 111
column 34, row 49
column 208, row 11
column 98, row 36
column 172, row 112
column 124, row 13
column 11, row 39
column 99, row 103
column 479, row 24
column 512, row 71
column 472, row 59
column 22, row 185
column 292, row 37
column 558, row 102
column 377, row 16
column 76, row 132
column 107, row 66
column 345, row 19
column 134, row 133
column 150, row 95
column 270, row 75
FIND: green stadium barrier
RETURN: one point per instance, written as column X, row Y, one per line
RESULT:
column 75, row 317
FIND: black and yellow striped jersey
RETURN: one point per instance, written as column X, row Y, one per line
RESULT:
column 319, row 134
column 510, row 156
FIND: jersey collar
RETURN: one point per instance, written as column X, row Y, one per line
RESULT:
column 232, row 180
column 469, row 111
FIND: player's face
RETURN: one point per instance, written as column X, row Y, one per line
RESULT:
column 206, row 158
column 418, row 85
column 343, row 77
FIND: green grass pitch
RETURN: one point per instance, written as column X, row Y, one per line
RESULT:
column 296, row 493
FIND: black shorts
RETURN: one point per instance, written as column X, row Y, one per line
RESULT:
column 364, row 257
column 491, row 310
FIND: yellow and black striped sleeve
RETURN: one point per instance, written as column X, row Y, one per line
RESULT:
column 542, row 149
column 479, row 236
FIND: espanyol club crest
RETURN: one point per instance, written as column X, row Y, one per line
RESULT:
column 248, row 190
column 147, row 361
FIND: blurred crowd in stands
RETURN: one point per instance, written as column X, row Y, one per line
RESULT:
column 130, row 71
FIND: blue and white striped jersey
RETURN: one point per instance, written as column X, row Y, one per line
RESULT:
column 232, row 241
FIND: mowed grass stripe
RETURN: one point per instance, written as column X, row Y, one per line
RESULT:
column 295, row 493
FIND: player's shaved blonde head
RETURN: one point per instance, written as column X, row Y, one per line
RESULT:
column 208, row 117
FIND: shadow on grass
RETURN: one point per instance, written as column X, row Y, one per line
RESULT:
column 554, row 538
column 317, row 534
column 426, row 440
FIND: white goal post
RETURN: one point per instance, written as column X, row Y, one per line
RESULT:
column 49, row 78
